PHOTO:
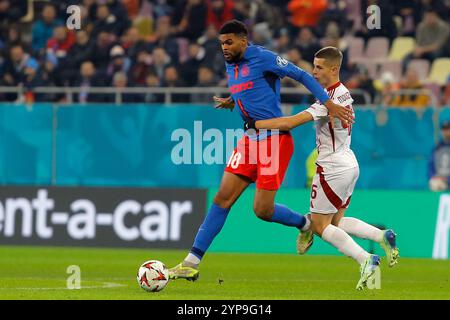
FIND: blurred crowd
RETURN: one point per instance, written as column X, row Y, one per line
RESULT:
column 173, row 43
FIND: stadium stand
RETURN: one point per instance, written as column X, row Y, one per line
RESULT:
column 440, row 69
column 401, row 46
column 155, row 35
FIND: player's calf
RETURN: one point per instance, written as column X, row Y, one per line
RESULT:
column 319, row 222
column 265, row 209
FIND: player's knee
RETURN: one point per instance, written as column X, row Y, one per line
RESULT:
column 222, row 200
column 263, row 212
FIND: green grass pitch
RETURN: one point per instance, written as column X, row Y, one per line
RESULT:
column 40, row 273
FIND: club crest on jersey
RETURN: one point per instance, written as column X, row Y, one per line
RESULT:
column 281, row 62
column 245, row 71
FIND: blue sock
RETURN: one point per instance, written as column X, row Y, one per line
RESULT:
column 286, row 216
column 211, row 226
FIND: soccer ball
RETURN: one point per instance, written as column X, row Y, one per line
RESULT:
column 153, row 276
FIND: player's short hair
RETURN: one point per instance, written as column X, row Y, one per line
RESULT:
column 234, row 26
column 331, row 54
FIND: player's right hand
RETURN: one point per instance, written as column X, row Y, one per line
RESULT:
column 224, row 103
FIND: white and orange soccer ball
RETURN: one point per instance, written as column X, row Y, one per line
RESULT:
column 153, row 276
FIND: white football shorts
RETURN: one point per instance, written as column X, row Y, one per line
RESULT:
column 331, row 192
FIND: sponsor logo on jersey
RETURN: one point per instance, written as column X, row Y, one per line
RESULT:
column 344, row 97
column 245, row 71
column 241, row 87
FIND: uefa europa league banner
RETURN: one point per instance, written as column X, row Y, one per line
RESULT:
column 109, row 217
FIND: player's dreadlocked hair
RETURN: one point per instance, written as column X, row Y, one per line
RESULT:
column 234, row 26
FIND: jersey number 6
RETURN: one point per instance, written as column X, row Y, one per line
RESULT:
column 313, row 191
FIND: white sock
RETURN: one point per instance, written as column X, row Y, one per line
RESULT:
column 339, row 239
column 307, row 224
column 191, row 260
column 361, row 229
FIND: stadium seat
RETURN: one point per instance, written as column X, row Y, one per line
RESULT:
column 440, row 69
column 355, row 50
column 394, row 67
column 398, row 22
column 377, row 49
column 353, row 13
column 422, row 67
column 372, row 68
column 401, row 46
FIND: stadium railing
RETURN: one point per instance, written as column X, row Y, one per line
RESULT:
column 167, row 92
column 69, row 92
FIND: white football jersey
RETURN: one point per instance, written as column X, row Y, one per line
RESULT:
column 333, row 144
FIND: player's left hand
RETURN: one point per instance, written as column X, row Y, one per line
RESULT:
column 343, row 114
column 224, row 103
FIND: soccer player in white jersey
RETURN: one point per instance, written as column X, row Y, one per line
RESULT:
column 336, row 175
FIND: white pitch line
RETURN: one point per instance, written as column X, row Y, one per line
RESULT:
column 104, row 285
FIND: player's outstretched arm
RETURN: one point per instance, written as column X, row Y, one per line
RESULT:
column 335, row 110
column 282, row 123
column 283, row 68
